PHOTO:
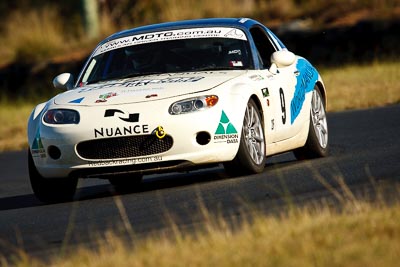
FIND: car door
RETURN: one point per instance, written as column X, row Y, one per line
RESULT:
column 280, row 85
column 286, row 124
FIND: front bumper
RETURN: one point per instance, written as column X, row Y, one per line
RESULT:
column 88, row 149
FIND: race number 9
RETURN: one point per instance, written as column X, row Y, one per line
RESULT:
column 283, row 105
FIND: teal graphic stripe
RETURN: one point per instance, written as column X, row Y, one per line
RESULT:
column 305, row 84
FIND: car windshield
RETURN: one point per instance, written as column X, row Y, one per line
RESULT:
column 183, row 55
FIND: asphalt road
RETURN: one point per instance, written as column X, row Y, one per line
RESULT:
column 365, row 152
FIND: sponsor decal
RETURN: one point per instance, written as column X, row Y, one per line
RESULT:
column 125, row 161
column 142, row 82
column 220, row 72
column 152, row 95
column 121, row 131
column 140, row 91
column 235, row 52
column 37, row 148
column 103, row 98
column 256, row 78
column 235, row 63
column 193, row 33
column 272, row 124
column 76, row 101
column 265, row 92
column 226, row 132
column 137, row 83
column 236, row 34
column 305, row 84
column 132, row 117
column 159, row 132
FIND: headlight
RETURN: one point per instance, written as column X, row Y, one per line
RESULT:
column 61, row 116
column 193, row 104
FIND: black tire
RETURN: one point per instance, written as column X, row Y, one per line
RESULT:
column 317, row 144
column 250, row 158
column 123, row 183
column 50, row 190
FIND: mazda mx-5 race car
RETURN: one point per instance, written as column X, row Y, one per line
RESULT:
column 177, row 96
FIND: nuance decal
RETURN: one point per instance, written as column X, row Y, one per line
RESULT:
column 132, row 117
column 121, row 131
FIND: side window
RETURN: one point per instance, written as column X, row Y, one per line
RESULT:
column 263, row 45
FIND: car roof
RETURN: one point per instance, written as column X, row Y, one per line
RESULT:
column 244, row 23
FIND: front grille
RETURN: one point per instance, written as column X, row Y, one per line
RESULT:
column 124, row 147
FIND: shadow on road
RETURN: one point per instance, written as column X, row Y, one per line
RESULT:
column 151, row 183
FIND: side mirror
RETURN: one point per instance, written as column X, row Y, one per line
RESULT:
column 283, row 58
column 64, row 81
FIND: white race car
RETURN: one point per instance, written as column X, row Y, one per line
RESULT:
column 177, row 96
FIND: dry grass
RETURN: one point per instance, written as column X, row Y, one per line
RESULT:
column 365, row 86
column 13, row 121
column 39, row 35
column 43, row 32
column 360, row 228
column 336, row 12
column 159, row 10
column 359, row 235
column 33, row 36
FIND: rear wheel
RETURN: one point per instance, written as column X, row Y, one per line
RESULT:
column 50, row 190
column 251, row 157
column 317, row 141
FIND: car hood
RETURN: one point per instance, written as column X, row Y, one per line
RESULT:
column 145, row 88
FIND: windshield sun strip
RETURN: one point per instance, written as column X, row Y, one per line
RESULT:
column 191, row 33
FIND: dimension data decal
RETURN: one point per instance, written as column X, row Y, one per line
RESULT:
column 226, row 132
column 37, row 146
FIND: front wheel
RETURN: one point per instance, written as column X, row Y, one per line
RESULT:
column 317, row 141
column 251, row 157
column 50, row 190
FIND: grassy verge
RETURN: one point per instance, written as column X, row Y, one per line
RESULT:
column 349, row 87
column 366, row 86
column 361, row 234
column 13, row 121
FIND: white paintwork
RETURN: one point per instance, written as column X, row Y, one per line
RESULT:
column 283, row 58
column 151, row 97
column 64, row 81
